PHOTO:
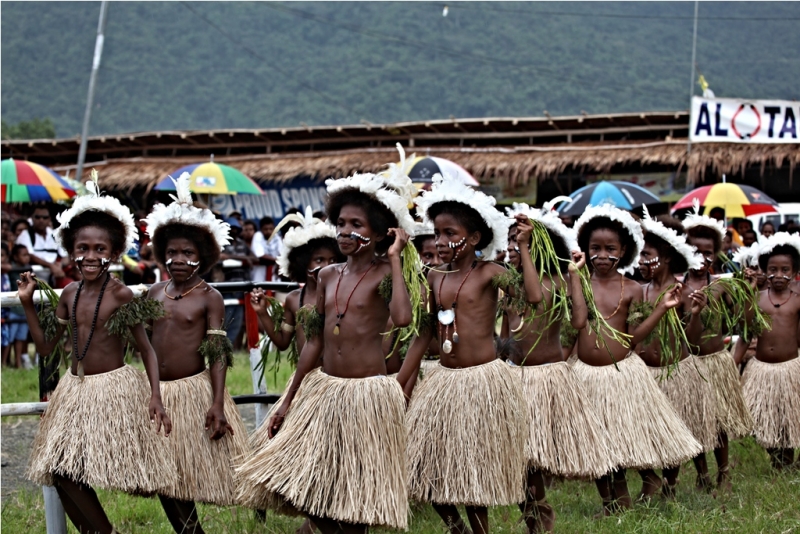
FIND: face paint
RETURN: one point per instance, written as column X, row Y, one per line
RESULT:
column 104, row 261
column 79, row 259
column 313, row 272
column 458, row 246
column 613, row 259
column 192, row 263
column 362, row 241
column 168, row 262
column 787, row 278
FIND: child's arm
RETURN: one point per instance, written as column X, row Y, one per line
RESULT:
column 400, row 306
column 156, row 407
column 533, row 285
column 410, row 369
column 670, row 300
column 694, row 328
column 580, row 311
column 215, row 418
column 281, row 338
column 739, row 350
column 25, row 289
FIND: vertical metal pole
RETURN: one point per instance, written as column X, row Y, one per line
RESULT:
column 98, row 53
column 691, row 80
column 55, row 520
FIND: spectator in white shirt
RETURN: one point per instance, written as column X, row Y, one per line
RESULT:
column 40, row 242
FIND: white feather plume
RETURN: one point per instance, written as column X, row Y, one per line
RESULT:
column 310, row 228
column 624, row 218
column 673, row 239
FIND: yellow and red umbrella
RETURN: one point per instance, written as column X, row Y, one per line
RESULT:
column 25, row 181
column 736, row 199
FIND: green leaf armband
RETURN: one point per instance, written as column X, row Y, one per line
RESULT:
column 312, row 321
column 217, row 348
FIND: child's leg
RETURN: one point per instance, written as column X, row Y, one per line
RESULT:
column 83, row 507
column 538, row 514
column 775, row 458
column 671, row 481
column 721, row 455
column 451, row 517
column 6, row 354
column 619, row 489
column 182, row 515
column 331, row 526
column 605, row 489
column 651, row 483
column 787, row 457
column 700, row 464
column 306, row 528
column 20, row 351
column 478, row 519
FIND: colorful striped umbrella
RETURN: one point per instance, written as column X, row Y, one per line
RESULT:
column 736, row 199
column 213, row 179
column 623, row 195
column 25, row 181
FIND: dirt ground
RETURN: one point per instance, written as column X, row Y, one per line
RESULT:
column 17, row 437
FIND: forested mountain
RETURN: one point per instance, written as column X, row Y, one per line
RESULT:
column 186, row 65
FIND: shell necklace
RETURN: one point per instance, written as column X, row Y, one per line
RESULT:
column 448, row 317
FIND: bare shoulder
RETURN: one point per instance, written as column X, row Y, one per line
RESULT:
column 292, row 302
column 326, row 272
column 211, row 293
column 68, row 292
column 632, row 289
column 121, row 292
column 156, row 288
column 490, row 268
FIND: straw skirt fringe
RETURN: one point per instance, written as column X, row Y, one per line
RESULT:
column 339, row 453
column 205, row 466
column 260, row 436
column 466, row 437
column 693, row 399
column 564, row 433
column 643, row 430
column 98, row 432
column 772, row 393
column 733, row 417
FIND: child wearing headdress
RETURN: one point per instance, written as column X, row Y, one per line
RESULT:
column 564, row 435
column 467, row 420
column 714, row 361
column 642, row 428
column 208, row 434
column 771, row 380
column 666, row 350
column 100, row 429
column 338, row 438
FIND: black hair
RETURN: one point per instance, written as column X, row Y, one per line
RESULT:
column 787, row 250
column 419, row 241
column 293, row 209
column 5, row 248
column 467, row 216
column 751, row 231
column 265, row 220
column 17, row 222
column 601, row 223
column 678, row 263
column 704, row 232
column 380, row 217
column 252, row 223
column 16, row 249
column 113, row 226
column 300, row 257
column 319, row 214
column 206, row 245
column 762, row 226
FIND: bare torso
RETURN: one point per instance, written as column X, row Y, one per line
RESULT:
column 548, row 343
column 613, row 297
column 780, row 343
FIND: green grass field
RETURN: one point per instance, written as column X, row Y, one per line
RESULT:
column 762, row 500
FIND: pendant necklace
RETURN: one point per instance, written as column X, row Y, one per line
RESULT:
column 448, row 317
column 80, row 357
column 621, row 297
column 180, row 296
column 340, row 316
column 778, row 305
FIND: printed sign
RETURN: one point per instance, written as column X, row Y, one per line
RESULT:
column 277, row 198
column 730, row 120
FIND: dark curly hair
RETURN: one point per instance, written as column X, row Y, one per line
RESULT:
column 600, row 223
column 100, row 219
column 467, row 216
column 300, row 257
column 380, row 217
column 419, row 241
column 704, row 232
column 677, row 263
column 780, row 250
column 206, row 245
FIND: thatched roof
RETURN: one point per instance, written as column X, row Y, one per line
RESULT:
column 498, row 165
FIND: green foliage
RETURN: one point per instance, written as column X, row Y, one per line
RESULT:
column 33, row 129
column 217, row 348
column 164, row 67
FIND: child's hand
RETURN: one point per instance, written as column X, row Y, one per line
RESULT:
column 524, row 230
column 699, row 301
column 400, row 240
column 26, row 285
column 750, row 276
column 158, row 415
column 276, row 421
column 673, row 297
column 216, row 421
column 259, row 300
column 578, row 261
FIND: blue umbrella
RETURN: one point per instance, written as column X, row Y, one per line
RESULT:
column 623, row 195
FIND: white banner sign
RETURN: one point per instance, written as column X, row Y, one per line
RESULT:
column 730, row 120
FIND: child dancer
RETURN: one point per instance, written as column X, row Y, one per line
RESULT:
column 643, row 429
column 666, row 353
column 715, row 363
column 336, row 452
column 564, row 435
column 208, row 432
column 771, row 380
column 96, row 431
column 466, row 421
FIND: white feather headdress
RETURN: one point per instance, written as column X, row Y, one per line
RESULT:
column 624, row 218
column 747, row 256
column 776, row 240
column 673, row 239
column 310, row 228
column 94, row 201
column 181, row 211
column 424, row 228
column 392, row 188
column 694, row 219
column 451, row 189
column 549, row 219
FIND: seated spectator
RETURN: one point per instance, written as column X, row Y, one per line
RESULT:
column 41, row 245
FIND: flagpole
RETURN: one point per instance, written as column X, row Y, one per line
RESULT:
column 691, row 79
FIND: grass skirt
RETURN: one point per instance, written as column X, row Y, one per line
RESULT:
column 643, row 430
column 564, row 435
column 772, row 394
column 339, row 454
column 205, row 467
column 692, row 397
column 732, row 414
column 466, row 437
column 426, row 367
column 260, row 436
column 98, row 432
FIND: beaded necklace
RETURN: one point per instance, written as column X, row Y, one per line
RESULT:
column 82, row 355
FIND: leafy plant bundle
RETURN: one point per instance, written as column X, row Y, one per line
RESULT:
column 730, row 313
